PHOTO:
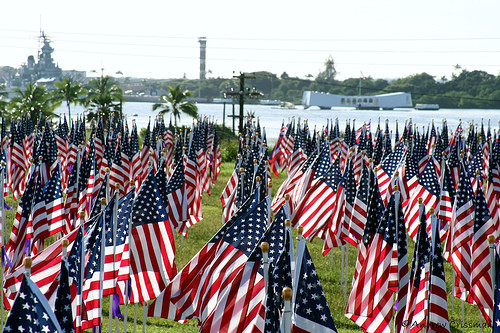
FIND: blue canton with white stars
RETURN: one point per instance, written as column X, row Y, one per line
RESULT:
column 31, row 312
column 310, row 301
column 148, row 206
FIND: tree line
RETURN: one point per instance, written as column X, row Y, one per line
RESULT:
column 102, row 98
column 467, row 89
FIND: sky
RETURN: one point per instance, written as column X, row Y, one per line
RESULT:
column 159, row 39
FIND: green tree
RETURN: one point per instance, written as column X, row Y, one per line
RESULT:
column 329, row 73
column 69, row 91
column 104, row 98
column 175, row 102
column 35, row 100
column 3, row 99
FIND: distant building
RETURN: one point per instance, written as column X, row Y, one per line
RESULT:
column 44, row 70
column 203, row 57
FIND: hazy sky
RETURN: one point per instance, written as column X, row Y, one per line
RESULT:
column 159, row 39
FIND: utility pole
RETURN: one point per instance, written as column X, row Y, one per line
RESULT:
column 242, row 93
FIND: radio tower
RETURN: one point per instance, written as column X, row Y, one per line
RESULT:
column 203, row 55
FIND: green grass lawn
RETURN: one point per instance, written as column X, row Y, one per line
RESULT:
column 328, row 267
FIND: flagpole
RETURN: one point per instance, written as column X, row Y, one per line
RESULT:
column 135, row 316
column 264, row 246
column 144, row 316
column 342, row 266
column 491, row 241
column 397, row 200
column 298, row 259
column 82, row 268
column 2, row 201
column 287, row 313
column 127, row 283
column 287, row 205
column 102, row 257
column 77, row 166
column 346, row 269
column 290, row 249
column 434, row 234
column 269, row 198
column 113, row 232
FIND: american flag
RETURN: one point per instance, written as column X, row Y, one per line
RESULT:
column 169, row 145
column 185, row 281
column 116, row 243
column 461, row 232
column 417, row 301
column 311, row 172
column 93, row 270
column 71, row 198
column 481, row 290
column 145, row 149
column 454, row 164
column 62, row 307
column 15, row 247
column 120, row 171
column 177, row 199
column 288, row 186
column 44, row 271
column 152, row 238
column 317, row 208
column 438, row 307
column 448, row 194
column 429, row 190
column 240, row 305
column 493, row 194
column 18, row 163
column 122, row 253
column 135, row 161
column 100, row 145
column 193, row 190
column 31, row 311
column 61, row 137
column 387, row 169
column 404, row 278
column 496, row 307
column 76, row 277
column 357, row 215
column 48, row 212
column 280, row 276
column 432, row 139
column 276, row 159
column 230, row 259
column 337, row 231
column 217, row 158
column 231, row 185
column 190, row 291
column 310, row 311
column 410, row 177
column 297, row 158
column 369, row 304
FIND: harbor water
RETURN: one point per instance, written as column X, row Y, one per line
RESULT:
column 271, row 118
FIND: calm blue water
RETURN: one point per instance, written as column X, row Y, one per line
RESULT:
column 272, row 118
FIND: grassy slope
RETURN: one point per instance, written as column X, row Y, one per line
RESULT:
column 328, row 269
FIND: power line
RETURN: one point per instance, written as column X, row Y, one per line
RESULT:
column 474, row 38
column 149, row 55
column 308, row 50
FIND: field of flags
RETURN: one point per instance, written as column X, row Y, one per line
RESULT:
column 98, row 215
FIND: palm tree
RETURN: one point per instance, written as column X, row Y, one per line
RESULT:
column 34, row 100
column 69, row 91
column 176, row 103
column 3, row 99
column 104, row 98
